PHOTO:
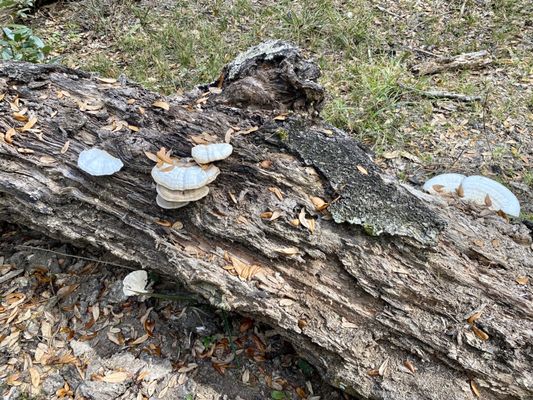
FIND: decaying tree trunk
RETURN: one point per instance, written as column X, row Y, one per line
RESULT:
column 381, row 283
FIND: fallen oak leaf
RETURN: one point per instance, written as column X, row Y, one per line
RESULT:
column 29, row 124
column 65, row 147
column 9, row 135
column 161, row 104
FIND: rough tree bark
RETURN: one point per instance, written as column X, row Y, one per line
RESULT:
column 386, row 281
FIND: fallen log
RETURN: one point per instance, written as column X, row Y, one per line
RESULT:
column 466, row 61
column 388, row 292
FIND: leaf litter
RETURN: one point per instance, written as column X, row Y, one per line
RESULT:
column 60, row 313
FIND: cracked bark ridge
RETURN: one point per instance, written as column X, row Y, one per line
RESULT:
column 350, row 302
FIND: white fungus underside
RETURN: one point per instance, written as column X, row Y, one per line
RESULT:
column 448, row 182
column 169, row 205
column 98, row 162
column 207, row 153
column 135, row 283
column 476, row 188
column 182, row 195
column 184, row 178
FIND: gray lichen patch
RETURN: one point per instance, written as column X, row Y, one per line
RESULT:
column 266, row 51
column 365, row 197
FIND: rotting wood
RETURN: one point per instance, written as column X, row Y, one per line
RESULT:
column 394, row 279
column 441, row 94
column 472, row 61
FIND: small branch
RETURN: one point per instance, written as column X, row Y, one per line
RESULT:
column 476, row 60
column 441, row 94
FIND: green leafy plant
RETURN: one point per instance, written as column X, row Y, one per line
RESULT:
column 19, row 43
column 277, row 395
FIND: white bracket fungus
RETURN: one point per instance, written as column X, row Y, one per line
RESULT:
column 484, row 191
column 207, row 153
column 444, row 183
column 98, row 162
column 184, row 175
column 182, row 181
column 476, row 189
column 135, row 283
column 169, row 205
column 182, row 195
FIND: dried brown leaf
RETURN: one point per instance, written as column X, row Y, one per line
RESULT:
column 319, row 203
column 107, row 80
column 151, row 156
column 302, row 323
column 35, row 377
column 20, row 117
column 438, row 188
column 460, row 191
column 249, row 130
column 265, row 164
column 294, row 222
column 9, row 135
column 383, row 367
column 29, row 124
column 409, row 365
column 522, row 280
column 227, row 136
column 65, row 147
column 277, row 192
column 488, row 201
column 362, row 170
column 115, row 377
column 161, row 104
column 140, row 340
column 479, row 333
column 47, row 160
column 288, row 251
column 266, row 215
column 475, row 389
column 474, row 317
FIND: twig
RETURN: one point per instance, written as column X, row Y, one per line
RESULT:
column 383, row 9
column 22, row 246
column 10, row 275
column 417, row 50
column 442, row 94
column 484, row 118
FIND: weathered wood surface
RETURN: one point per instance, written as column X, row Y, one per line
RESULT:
column 472, row 61
column 388, row 275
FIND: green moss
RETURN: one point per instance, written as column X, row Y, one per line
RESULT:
column 370, row 230
column 283, row 134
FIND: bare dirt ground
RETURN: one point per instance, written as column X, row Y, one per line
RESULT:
column 66, row 330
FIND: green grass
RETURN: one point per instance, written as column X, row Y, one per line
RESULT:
column 176, row 45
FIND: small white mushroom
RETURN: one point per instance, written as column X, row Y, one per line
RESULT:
column 444, row 183
column 135, row 283
column 169, row 205
column 185, row 175
column 98, row 162
column 485, row 191
column 182, row 195
column 206, row 153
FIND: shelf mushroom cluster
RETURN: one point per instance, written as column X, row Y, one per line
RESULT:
column 186, row 179
column 476, row 189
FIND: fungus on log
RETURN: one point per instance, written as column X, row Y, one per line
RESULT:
column 384, row 280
